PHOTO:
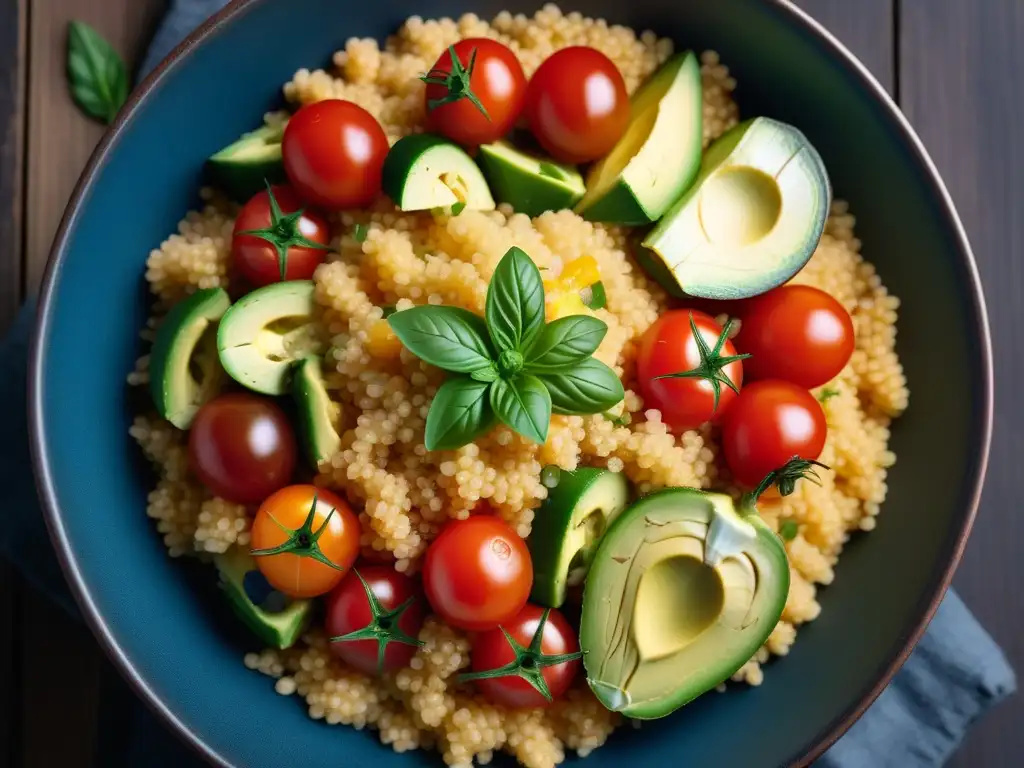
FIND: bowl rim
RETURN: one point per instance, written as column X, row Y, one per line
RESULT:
column 235, row 9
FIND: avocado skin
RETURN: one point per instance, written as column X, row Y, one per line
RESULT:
column 320, row 438
column 773, row 568
column 165, row 359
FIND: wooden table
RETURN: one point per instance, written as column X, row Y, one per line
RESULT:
column 956, row 67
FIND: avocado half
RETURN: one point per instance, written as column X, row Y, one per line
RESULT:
column 265, row 332
column 682, row 591
column 658, row 157
column 568, row 526
column 184, row 372
column 318, row 414
column 751, row 220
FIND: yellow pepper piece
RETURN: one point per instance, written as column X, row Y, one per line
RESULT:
column 563, row 292
column 382, row 342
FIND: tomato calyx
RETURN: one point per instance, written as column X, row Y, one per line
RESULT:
column 302, row 541
column 283, row 232
column 529, row 662
column 456, row 82
column 383, row 626
column 784, row 478
column 712, row 363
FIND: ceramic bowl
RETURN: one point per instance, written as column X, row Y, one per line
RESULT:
column 162, row 622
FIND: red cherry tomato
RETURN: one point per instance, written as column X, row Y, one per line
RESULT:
column 477, row 573
column 669, row 346
column 769, row 423
column 797, row 333
column 316, row 520
column 577, row 105
column 491, row 650
column 258, row 258
column 496, row 81
column 334, row 153
column 348, row 610
column 242, row 447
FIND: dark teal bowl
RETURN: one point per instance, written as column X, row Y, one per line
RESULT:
column 161, row 623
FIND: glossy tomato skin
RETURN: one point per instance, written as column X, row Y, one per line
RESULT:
column 348, row 610
column 577, row 105
column 771, row 422
column 669, row 346
column 257, row 260
column 798, row 333
column 298, row 576
column 477, row 573
column 491, row 650
column 334, row 153
column 242, row 447
column 497, row 81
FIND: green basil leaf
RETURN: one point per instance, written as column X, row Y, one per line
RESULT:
column 590, row 387
column 490, row 373
column 515, row 301
column 449, row 337
column 524, row 404
column 459, row 413
column 564, row 343
column 97, row 76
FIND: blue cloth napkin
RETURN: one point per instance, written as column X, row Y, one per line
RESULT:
column 954, row 676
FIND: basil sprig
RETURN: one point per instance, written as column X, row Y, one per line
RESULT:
column 510, row 366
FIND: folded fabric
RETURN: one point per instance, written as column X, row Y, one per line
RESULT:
column 955, row 675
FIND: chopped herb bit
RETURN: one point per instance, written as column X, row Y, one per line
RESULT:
column 360, row 232
column 458, row 208
column 789, row 529
column 827, row 394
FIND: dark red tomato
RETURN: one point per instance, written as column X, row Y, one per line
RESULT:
column 491, row 650
column 670, row 346
column 477, row 573
column 334, row 153
column 348, row 611
column 577, row 105
column 797, row 333
column 280, row 238
column 487, row 75
column 769, row 423
column 242, row 448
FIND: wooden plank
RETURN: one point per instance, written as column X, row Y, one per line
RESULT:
column 61, row 664
column 865, row 27
column 961, row 66
column 60, row 139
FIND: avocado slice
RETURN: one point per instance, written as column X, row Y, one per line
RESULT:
column 184, row 372
column 423, row 171
column 682, row 591
column 318, row 414
column 751, row 220
column 528, row 181
column 265, row 332
column 658, row 157
column 275, row 618
column 245, row 166
column 568, row 526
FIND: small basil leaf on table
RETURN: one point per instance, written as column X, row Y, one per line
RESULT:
column 451, row 338
column 515, row 301
column 97, row 76
column 459, row 413
column 523, row 404
column 590, row 387
column 564, row 343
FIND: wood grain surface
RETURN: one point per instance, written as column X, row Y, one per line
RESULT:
column 955, row 66
column 961, row 69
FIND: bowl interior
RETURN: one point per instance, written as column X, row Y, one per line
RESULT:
column 164, row 618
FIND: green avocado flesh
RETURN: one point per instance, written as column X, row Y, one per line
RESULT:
column 529, row 182
column 424, row 171
column 265, row 332
column 658, row 157
column 184, row 372
column 245, row 166
column 751, row 220
column 318, row 415
column 277, row 620
column 569, row 525
column 682, row 591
